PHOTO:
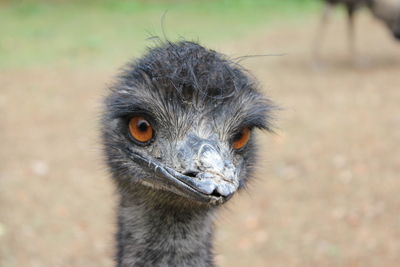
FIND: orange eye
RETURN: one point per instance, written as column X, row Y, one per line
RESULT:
column 140, row 129
column 241, row 138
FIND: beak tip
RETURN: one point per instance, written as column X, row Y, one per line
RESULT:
column 226, row 190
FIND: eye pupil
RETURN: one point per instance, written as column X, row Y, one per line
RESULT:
column 143, row 126
column 238, row 136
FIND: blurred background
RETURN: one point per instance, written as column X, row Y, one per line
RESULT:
column 327, row 188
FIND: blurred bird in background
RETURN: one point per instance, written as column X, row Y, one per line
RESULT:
column 387, row 11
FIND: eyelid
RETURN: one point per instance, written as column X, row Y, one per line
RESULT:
column 131, row 111
column 240, row 127
column 140, row 113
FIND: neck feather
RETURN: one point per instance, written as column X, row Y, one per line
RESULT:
column 153, row 233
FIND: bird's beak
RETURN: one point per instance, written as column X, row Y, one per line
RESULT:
column 208, row 178
column 206, row 168
column 213, row 174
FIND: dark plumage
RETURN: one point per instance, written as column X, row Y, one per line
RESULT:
column 200, row 106
column 387, row 11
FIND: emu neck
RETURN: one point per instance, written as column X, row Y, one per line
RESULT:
column 156, row 234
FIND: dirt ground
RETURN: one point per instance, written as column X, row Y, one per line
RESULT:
column 327, row 187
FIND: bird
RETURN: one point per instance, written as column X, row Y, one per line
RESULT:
column 178, row 131
column 386, row 11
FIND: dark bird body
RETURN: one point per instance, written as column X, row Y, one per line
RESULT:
column 349, row 4
column 387, row 11
column 200, row 110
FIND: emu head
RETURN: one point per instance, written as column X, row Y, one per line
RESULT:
column 179, row 124
column 388, row 11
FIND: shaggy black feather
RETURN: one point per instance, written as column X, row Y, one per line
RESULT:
column 188, row 68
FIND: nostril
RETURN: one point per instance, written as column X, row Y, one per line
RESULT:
column 215, row 193
column 191, row 173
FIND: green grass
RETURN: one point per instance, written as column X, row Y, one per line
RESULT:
column 104, row 32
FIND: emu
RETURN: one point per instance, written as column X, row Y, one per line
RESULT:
column 387, row 11
column 178, row 136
